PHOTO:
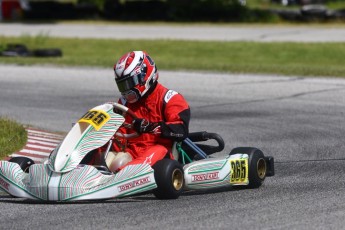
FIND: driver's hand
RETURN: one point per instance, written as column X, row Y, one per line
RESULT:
column 117, row 111
column 142, row 125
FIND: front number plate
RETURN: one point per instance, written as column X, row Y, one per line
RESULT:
column 96, row 118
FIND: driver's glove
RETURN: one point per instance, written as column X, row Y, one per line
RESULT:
column 142, row 125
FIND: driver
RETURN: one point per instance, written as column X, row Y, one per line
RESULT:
column 162, row 114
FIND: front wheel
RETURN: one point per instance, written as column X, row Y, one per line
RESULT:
column 24, row 162
column 169, row 178
column 257, row 165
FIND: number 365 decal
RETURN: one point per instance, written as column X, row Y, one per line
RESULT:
column 96, row 118
column 239, row 171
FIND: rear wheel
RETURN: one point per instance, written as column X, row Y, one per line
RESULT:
column 24, row 162
column 169, row 178
column 257, row 165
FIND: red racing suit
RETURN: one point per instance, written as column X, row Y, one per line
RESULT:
column 172, row 113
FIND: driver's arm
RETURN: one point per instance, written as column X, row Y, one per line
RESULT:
column 176, row 119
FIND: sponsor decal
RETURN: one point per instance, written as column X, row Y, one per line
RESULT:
column 4, row 184
column 176, row 134
column 136, row 71
column 205, row 176
column 148, row 159
column 134, row 184
column 169, row 95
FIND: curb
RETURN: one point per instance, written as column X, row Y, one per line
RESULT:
column 39, row 145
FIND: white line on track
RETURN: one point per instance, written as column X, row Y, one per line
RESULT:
column 39, row 147
column 41, row 143
column 29, row 151
column 44, row 139
column 42, row 134
column 31, row 131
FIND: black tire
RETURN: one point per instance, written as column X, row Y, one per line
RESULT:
column 169, row 177
column 24, row 163
column 15, row 50
column 47, row 53
column 257, row 165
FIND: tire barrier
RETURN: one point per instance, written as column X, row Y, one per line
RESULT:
column 20, row 50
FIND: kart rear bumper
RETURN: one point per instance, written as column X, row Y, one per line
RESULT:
column 270, row 166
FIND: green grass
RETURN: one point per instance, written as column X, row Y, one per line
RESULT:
column 305, row 59
column 268, row 4
column 12, row 137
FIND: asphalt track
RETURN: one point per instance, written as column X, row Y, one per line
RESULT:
column 226, row 32
column 299, row 121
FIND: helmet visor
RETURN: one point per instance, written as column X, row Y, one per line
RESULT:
column 127, row 83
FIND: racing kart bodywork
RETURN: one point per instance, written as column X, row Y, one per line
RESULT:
column 66, row 177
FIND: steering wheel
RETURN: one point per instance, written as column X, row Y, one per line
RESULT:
column 125, row 110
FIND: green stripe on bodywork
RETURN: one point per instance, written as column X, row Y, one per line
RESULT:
column 59, row 187
column 87, row 131
column 11, row 182
column 142, row 189
column 208, row 170
column 50, row 176
column 103, row 188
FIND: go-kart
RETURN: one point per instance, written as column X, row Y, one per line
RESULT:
column 66, row 176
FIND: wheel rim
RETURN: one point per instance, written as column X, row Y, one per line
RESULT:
column 177, row 179
column 261, row 168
